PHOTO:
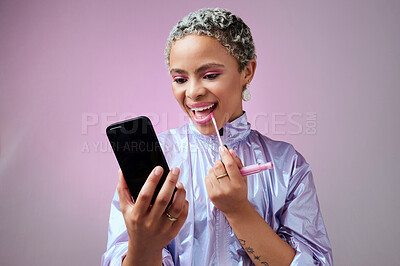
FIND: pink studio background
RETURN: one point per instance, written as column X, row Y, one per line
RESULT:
column 327, row 81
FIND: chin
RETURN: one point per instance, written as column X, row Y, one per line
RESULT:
column 207, row 130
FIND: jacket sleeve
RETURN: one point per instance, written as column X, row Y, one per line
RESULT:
column 117, row 244
column 302, row 226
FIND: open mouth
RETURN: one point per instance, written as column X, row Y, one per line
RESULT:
column 201, row 114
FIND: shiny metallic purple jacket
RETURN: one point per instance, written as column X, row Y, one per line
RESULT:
column 284, row 196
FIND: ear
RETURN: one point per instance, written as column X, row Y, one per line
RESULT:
column 248, row 72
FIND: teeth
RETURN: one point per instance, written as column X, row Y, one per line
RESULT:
column 202, row 108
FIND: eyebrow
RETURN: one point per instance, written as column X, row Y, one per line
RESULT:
column 200, row 69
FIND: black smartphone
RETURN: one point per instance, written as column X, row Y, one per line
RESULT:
column 138, row 151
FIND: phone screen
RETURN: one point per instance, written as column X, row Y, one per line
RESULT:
column 138, row 151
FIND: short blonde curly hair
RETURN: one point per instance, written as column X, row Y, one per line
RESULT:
column 227, row 28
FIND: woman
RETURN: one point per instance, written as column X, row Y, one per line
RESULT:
column 218, row 216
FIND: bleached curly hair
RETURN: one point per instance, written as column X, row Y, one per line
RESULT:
column 227, row 28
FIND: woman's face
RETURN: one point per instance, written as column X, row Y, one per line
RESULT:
column 205, row 80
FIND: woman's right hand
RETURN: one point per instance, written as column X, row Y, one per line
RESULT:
column 148, row 226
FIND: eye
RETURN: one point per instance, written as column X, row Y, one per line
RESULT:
column 211, row 76
column 179, row 80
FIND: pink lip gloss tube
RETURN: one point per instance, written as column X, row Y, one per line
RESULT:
column 256, row 168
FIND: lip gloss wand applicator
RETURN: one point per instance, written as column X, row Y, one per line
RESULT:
column 216, row 129
column 247, row 170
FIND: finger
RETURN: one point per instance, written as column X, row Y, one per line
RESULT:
column 165, row 194
column 210, row 179
column 219, row 170
column 238, row 162
column 178, row 202
column 177, row 225
column 236, row 158
column 230, row 164
column 143, row 200
column 125, row 199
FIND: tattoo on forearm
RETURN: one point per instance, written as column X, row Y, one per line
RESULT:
column 250, row 250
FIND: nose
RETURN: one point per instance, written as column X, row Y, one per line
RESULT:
column 195, row 90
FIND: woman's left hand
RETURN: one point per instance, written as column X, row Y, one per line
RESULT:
column 228, row 193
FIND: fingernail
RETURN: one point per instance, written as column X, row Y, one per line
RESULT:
column 158, row 171
column 175, row 171
column 222, row 148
